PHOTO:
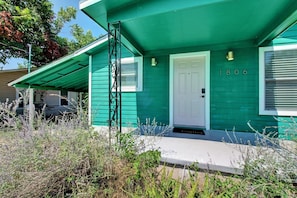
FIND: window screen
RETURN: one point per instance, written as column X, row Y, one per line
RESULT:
column 281, row 80
column 131, row 74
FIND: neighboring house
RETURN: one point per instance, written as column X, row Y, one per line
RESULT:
column 56, row 101
column 213, row 65
column 6, row 76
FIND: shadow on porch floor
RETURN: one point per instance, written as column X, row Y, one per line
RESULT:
column 244, row 138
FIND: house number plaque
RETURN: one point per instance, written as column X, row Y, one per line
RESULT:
column 235, row 72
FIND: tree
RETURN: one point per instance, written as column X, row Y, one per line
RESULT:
column 32, row 22
column 22, row 65
column 81, row 38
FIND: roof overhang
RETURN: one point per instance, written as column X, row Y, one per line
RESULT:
column 156, row 26
column 67, row 73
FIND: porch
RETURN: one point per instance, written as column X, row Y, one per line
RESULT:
column 209, row 155
column 226, row 155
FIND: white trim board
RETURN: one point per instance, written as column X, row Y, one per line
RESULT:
column 205, row 54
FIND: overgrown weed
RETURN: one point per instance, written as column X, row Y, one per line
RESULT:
column 270, row 168
column 66, row 158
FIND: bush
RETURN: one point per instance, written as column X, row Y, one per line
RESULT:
column 52, row 164
column 66, row 158
column 8, row 116
column 270, row 168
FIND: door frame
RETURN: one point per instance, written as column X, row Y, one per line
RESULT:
column 173, row 57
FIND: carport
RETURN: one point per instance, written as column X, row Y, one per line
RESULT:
column 70, row 73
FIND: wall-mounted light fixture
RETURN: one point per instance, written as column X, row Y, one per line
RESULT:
column 154, row 62
column 230, row 56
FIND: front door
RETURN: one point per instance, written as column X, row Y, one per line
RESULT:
column 189, row 92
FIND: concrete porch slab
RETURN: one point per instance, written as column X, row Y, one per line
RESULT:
column 210, row 155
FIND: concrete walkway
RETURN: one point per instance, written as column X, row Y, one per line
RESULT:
column 210, row 155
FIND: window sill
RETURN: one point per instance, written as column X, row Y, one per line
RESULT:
column 278, row 113
column 129, row 90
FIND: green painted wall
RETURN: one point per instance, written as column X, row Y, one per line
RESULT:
column 153, row 101
column 287, row 127
column 99, row 95
column 234, row 93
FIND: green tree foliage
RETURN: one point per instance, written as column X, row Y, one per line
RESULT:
column 34, row 22
column 28, row 22
column 81, row 38
column 64, row 15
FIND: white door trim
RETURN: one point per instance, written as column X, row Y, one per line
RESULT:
column 205, row 54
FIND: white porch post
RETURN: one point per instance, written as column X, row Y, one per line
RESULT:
column 31, row 107
column 80, row 103
column 80, row 100
column 90, row 91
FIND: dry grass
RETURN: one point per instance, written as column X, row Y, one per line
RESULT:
column 79, row 163
column 66, row 158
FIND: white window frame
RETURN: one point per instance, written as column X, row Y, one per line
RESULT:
column 262, row 110
column 139, row 61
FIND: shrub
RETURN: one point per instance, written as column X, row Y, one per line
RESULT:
column 271, row 168
column 8, row 116
column 60, row 163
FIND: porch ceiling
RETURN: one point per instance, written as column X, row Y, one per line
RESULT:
column 155, row 25
column 68, row 73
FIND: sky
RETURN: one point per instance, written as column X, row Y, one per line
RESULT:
column 81, row 19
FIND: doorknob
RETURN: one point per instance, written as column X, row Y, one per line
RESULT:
column 202, row 96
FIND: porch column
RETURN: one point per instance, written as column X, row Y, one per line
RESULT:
column 80, row 101
column 90, row 91
column 31, row 108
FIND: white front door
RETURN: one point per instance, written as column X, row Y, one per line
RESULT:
column 189, row 91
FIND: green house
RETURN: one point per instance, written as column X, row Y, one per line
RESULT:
column 212, row 65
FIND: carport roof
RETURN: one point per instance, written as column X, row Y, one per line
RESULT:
column 67, row 73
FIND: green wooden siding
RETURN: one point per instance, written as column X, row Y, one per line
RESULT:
column 99, row 106
column 287, row 127
column 100, row 94
column 234, row 93
column 153, row 101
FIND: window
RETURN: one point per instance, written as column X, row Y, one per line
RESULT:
column 278, row 80
column 131, row 74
